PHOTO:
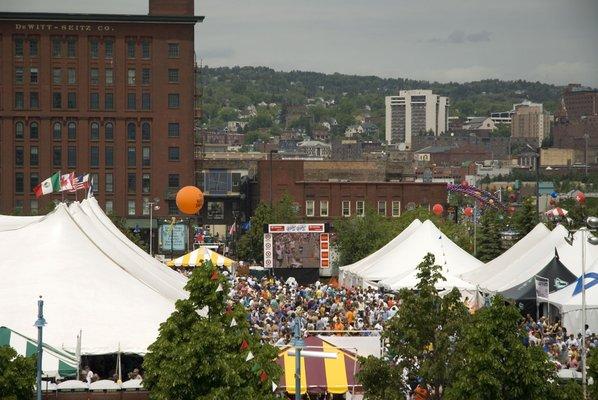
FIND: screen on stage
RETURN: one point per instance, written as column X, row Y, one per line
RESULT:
column 296, row 246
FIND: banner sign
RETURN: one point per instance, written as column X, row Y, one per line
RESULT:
column 542, row 288
column 174, row 238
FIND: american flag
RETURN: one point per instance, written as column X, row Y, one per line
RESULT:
column 80, row 182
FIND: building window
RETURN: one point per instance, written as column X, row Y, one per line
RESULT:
column 34, row 100
column 33, row 156
column 18, row 47
column 57, row 131
column 19, row 130
column 173, row 75
column 146, row 133
column 109, row 101
column 19, row 156
column 95, row 182
column 145, row 183
column 56, row 100
column 33, row 75
column 382, row 207
column 94, row 101
column 109, row 131
column 57, row 76
column 145, row 156
column 72, row 131
column 131, row 156
column 146, row 101
column 94, row 131
column 130, row 101
column 33, row 206
column 174, row 154
column 215, row 210
column 173, row 129
column 309, row 208
column 33, row 180
column 19, row 100
column 131, row 76
column 94, row 48
column 323, row 208
column 71, row 100
column 173, row 100
column 131, row 131
column 94, row 76
column 396, row 208
column 109, row 207
column 360, row 208
column 71, row 76
column 33, row 47
column 108, row 48
column 173, row 209
column 346, row 208
column 34, row 130
column 130, row 48
column 94, row 156
column 57, row 156
column 109, row 76
column 109, row 183
column 145, row 76
column 109, row 155
column 173, row 50
column 131, row 182
column 145, row 48
column 56, row 47
column 131, row 207
column 173, row 180
column 71, row 157
column 19, row 182
column 71, row 47
column 19, row 75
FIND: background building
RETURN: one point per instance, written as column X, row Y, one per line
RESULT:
column 530, row 122
column 415, row 112
column 106, row 94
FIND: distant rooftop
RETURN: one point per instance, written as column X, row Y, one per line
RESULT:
column 25, row 16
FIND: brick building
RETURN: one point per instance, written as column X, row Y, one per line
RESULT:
column 320, row 196
column 106, row 94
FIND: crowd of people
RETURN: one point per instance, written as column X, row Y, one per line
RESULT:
column 273, row 305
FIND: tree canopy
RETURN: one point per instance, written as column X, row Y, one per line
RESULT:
column 17, row 375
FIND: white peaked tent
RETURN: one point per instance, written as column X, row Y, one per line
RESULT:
column 85, row 282
column 534, row 260
column 347, row 272
column 8, row 222
column 568, row 300
column 488, row 270
column 404, row 258
column 449, row 282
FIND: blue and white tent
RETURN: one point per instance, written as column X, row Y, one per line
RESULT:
column 568, row 300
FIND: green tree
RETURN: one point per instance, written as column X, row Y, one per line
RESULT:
column 204, row 357
column 421, row 337
column 121, row 224
column 525, row 217
column 17, row 375
column 261, row 120
column 488, row 236
column 228, row 114
column 495, row 364
column 251, row 244
column 592, row 361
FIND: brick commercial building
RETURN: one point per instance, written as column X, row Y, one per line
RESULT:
column 325, row 200
column 105, row 94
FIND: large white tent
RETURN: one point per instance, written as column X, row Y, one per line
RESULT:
column 569, row 300
column 403, row 259
column 347, row 272
column 491, row 268
column 90, row 279
column 8, row 222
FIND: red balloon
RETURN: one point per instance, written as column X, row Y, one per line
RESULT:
column 468, row 211
column 581, row 198
column 438, row 209
column 465, row 184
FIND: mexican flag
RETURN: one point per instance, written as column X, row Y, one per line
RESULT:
column 52, row 184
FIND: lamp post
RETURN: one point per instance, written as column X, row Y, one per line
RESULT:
column 537, row 158
column 153, row 205
column 270, row 157
column 39, row 323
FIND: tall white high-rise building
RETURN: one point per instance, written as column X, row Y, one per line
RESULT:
column 415, row 112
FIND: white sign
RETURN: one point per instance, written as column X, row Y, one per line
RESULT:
column 542, row 289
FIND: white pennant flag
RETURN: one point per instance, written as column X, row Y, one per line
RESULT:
column 274, row 386
column 219, row 288
column 249, row 356
column 233, row 323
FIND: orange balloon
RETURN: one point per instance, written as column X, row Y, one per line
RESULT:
column 189, row 200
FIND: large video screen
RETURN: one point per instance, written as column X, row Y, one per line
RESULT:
column 288, row 246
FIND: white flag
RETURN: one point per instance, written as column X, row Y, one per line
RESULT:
column 219, row 288
column 274, row 386
column 233, row 323
column 249, row 356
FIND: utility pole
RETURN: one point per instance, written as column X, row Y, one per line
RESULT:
column 39, row 323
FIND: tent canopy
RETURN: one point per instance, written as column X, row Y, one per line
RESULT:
column 318, row 375
column 198, row 256
column 54, row 362
column 568, row 300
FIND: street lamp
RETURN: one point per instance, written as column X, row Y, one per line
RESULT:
column 537, row 155
column 153, row 205
column 39, row 323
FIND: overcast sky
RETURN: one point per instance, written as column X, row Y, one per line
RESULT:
column 552, row 41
